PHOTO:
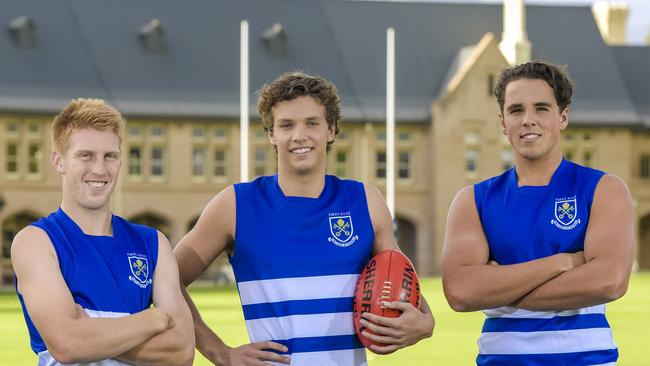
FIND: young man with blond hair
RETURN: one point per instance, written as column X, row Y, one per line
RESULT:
column 86, row 278
column 542, row 247
column 297, row 242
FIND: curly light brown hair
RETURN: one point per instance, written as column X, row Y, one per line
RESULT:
column 296, row 84
column 84, row 113
column 555, row 76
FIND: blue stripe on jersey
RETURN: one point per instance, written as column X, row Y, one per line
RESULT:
column 319, row 344
column 583, row 321
column 297, row 307
column 574, row 359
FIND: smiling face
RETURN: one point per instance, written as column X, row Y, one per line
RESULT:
column 90, row 167
column 300, row 133
column 532, row 120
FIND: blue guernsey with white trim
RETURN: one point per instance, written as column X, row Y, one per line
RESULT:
column 107, row 276
column 296, row 262
column 530, row 222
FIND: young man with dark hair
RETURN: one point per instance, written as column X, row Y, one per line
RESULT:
column 295, row 274
column 542, row 247
column 86, row 278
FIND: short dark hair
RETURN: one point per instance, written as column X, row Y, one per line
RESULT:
column 296, row 84
column 555, row 76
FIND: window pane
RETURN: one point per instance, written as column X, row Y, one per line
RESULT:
column 587, row 158
column 380, row 136
column 220, row 163
column 157, row 161
column 135, row 161
column 404, row 136
column 12, row 127
column 198, row 161
column 341, row 163
column 33, row 128
column 220, row 133
column 134, row 131
column 12, row 158
column 157, row 131
column 404, row 171
column 198, row 132
column 506, row 159
column 381, row 164
column 471, row 157
column 35, row 156
column 260, row 162
column 568, row 155
column 645, row 166
column 471, row 138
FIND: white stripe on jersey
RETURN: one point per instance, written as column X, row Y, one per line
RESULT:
column 46, row 359
column 512, row 312
column 329, row 358
column 565, row 341
column 297, row 288
column 300, row 326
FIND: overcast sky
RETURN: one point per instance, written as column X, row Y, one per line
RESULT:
column 638, row 21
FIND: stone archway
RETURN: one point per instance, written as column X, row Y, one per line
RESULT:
column 10, row 227
column 406, row 238
column 155, row 221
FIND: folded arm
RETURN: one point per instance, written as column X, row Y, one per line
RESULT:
column 174, row 346
column 609, row 247
column 70, row 336
column 470, row 283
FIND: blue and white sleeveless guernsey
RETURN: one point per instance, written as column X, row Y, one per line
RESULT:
column 530, row 222
column 296, row 262
column 107, row 276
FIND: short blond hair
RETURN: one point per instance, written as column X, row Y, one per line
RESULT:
column 85, row 113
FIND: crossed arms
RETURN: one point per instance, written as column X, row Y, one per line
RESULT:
column 160, row 335
column 559, row 282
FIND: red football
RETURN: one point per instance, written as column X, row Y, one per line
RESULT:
column 388, row 276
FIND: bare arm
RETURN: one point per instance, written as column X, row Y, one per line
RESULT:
column 72, row 337
column 413, row 324
column 609, row 246
column 175, row 346
column 212, row 234
column 469, row 282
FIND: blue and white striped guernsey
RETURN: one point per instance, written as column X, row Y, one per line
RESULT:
column 531, row 222
column 296, row 262
column 107, row 276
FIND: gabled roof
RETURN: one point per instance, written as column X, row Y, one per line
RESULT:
column 92, row 48
column 634, row 64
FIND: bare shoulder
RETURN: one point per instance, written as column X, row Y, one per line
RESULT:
column 463, row 200
column 373, row 196
column 611, row 186
column 30, row 241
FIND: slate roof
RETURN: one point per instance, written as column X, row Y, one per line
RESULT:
column 91, row 48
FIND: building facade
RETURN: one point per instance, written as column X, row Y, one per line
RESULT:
column 181, row 142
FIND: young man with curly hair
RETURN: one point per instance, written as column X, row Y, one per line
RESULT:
column 297, row 242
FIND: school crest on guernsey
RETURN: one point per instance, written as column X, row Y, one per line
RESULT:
column 139, row 265
column 342, row 229
column 566, row 213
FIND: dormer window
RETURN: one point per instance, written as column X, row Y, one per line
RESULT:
column 22, row 31
column 275, row 39
column 152, row 36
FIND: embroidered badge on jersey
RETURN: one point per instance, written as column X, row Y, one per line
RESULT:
column 566, row 213
column 342, row 229
column 140, row 269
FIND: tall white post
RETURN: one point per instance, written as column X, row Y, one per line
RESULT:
column 390, row 120
column 243, row 102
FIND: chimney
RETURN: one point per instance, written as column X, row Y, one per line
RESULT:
column 515, row 45
column 611, row 18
